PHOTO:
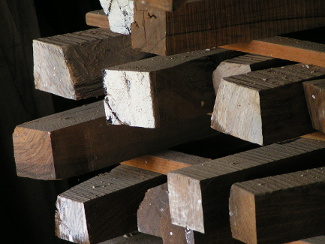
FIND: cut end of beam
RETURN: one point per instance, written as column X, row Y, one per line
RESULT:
column 243, row 100
column 32, row 152
column 74, row 231
column 129, row 92
column 185, row 206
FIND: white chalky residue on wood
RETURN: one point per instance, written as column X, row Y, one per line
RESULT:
column 71, row 221
column 128, row 98
column 120, row 15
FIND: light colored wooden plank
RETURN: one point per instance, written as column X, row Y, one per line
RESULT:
column 120, row 15
column 78, row 141
column 285, row 48
column 315, row 97
column 161, row 90
column 265, row 106
column 97, row 18
column 210, row 23
column 290, row 205
column 70, row 65
column 198, row 195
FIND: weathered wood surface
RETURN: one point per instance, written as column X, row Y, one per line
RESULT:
column 153, row 218
column 161, row 90
column 290, row 205
column 243, row 64
column 97, row 18
column 120, row 15
column 78, row 141
column 198, row 195
column 265, row 106
column 70, row 65
column 210, row 23
column 315, row 97
column 164, row 162
column 315, row 136
column 103, row 207
column 285, row 48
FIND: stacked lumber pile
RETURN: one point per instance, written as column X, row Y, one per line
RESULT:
column 178, row 76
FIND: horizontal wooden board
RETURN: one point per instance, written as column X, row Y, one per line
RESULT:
column 78, row 141
column 206, row 24
column 301, row 51
column 97, row 18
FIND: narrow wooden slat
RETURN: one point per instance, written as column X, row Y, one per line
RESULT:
column 315, row 96
column 103, row 207
column 290, row 205
column 315, row 136
column 70, row 65
column 164, row 162
column 206, row 24
column 78, row 141
column 265, row 106
column 198, row 195
column 285, row 48
column 159, row 91
column 97, row 18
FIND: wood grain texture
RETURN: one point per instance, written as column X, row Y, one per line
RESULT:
column 265, row 106
column 159, row 91
column 70, row 65
column 285, row 48
column 243, row 64
column 97, row 18
column 154, row 218
column 103, row 207
column 164, row 162
column 315, row 97
column 78, row 141
column 315, row 136
column 290, row 205
column 198, row 195
column 207, row 24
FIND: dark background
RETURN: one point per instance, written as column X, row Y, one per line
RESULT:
column 28, row 206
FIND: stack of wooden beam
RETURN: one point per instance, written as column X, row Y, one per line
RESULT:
column 268, row 186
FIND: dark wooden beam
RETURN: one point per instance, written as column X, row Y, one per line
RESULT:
column 290, row 205
column 70, row 65
column 198, row 195
column 206, row 24
column 103, row 207
column 78, row 141
column 159, row 91
column 265, row 106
